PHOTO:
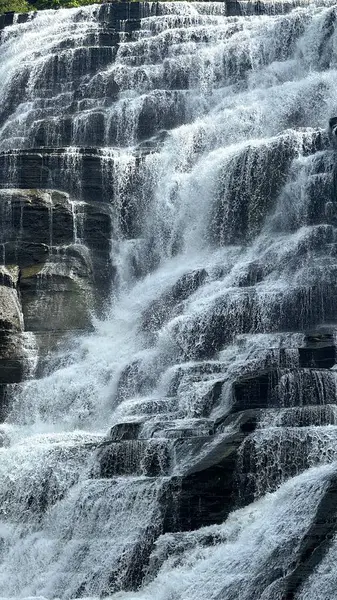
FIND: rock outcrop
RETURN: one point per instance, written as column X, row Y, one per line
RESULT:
column 56, row 272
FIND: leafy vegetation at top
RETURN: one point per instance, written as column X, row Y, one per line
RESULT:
column 14, row 5
column 42, row 4
column 23, row 6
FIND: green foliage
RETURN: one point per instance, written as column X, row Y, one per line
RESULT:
column 22, row 6
column 19, row 6
column 41, row 4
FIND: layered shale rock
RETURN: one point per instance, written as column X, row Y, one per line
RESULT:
column 56, row 271
column 60, row 251
column 12, row 354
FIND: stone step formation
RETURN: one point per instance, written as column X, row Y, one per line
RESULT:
column 167, row 301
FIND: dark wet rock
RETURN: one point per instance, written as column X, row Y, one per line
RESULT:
column 133, row 457
column 125, row 431
column 11, row 325
column 325, row 50
column 204, row 494
column 12, row 355
column 42, row 217
column 66, row 297
column 316, row 542
column 243, row 312
column 173, row 430
column 302, row 416
column 255, row 391
column 115, row 12
column 4, row 389
column 10, row 310
column 57, row 270
column 126, row 16
column 247, row 7
column 168, row 303
column 13, row 367
column 9, row 276
column 174, row 545
column 11, row 370
column 284, row 388
column 194, row 372
column 250, row 191
column 319, row 350
column 206, row 402
column 61, row 252
column 45, row 168
column 245, row 421
column 269, row 457
column 305, row 387
column 8, row 18
column 254, row 274
column 333, row 130
column 160, row 110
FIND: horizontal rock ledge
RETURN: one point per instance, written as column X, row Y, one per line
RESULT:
column 125, row 16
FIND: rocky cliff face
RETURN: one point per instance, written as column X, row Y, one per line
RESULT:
column 56, row 273
column 167, row 301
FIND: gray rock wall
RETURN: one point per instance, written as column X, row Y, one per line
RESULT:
column 56, row 271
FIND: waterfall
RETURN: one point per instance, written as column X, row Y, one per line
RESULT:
column 241, row 556
column 169, row 437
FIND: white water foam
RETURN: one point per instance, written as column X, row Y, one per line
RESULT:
column 226, row 192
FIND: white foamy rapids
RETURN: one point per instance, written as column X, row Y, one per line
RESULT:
column 274, row 455
column 220, row 70
column 321, row 584
column 250, row 551
column 83, row 544
column 224, row 244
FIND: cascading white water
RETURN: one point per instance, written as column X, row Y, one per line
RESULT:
column 252, row 544
column 224, row 243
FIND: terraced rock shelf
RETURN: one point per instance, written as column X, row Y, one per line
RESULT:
column 168, row 313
